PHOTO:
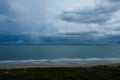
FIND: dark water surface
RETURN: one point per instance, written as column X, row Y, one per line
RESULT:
column 59, row 53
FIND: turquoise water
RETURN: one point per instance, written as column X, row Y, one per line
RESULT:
column 59, row 54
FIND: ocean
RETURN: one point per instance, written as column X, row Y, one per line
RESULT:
column 14, row 55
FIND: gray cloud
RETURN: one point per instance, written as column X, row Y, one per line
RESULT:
column 98, row 15
column 4, row 7
column 7, row 18
column 114, row 0
column 7, row 21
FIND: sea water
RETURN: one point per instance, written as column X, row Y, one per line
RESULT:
column 58, row 54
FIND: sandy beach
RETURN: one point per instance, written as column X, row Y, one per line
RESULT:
column 58, row 66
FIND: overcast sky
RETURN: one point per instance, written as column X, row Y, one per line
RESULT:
column 72, row 19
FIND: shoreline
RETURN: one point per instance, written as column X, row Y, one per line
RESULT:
column 60, row 66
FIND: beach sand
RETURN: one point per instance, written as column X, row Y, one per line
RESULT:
column 57, row 66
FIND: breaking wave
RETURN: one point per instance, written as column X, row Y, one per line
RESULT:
column 63, row 61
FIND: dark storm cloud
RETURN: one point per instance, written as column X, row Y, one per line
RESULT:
column 7, row 21
column 4, row 7
column 97, row 15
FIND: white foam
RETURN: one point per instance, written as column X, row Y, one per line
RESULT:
column 63, row 61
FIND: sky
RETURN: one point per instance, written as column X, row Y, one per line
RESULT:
column 59, row 21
